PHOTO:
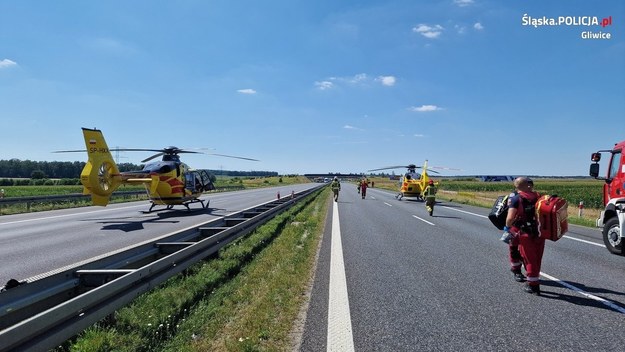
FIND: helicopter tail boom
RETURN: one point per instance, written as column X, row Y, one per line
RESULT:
column 100, row 177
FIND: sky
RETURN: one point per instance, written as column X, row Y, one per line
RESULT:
column 484, row 86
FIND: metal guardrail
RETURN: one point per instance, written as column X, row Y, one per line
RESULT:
column 51, row 308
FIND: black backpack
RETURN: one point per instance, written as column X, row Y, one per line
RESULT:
column 499, row 212
column 528, row 223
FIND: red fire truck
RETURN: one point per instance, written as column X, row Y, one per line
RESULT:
column 613, row 216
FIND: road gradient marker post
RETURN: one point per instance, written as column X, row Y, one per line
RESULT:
column 340, row 336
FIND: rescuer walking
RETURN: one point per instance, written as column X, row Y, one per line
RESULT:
column 516, row 260
column 336, row 187
column 363, row 188
column 521, row 222
column 430, row 197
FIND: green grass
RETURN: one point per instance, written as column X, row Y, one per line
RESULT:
column 246, row 299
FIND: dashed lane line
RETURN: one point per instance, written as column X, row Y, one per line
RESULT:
column 425, row 221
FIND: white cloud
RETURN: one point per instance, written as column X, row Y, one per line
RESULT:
column 247, row 91
column 387, row 80
column 478, row 26
column 6, row 63
column 323, row 85
column 425, row 108
column 431, row 32
column 419, row 135
column 460, row 29
column 361, row 77
column 350, row 127
column 463, row 3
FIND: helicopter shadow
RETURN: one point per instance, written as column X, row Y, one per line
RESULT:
column 130, row 224
column 578, row 299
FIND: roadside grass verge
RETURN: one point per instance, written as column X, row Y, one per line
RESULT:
column 247, row 298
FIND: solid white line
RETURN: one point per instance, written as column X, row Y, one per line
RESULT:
column 466, row 212
column 340, row 336
column 580, row 240
column 584, row 293
column 425, row 221
column 387, row 204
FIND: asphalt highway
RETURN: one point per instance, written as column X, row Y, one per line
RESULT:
column 33, row 244
column 418, row 283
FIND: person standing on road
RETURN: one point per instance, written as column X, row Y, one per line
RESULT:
column 336, row 187
column 429, row 194
column 363, row 187
column 516, row 260
column 521, row 223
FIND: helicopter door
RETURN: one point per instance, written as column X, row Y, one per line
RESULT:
column 207, row 184
column 198, row 181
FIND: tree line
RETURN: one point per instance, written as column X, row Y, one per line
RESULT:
column 16, row 168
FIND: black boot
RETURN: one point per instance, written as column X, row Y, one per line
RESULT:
column 518, row 275
column 533, row 289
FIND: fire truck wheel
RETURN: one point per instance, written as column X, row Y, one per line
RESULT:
column 611, row 236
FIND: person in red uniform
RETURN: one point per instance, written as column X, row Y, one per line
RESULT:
column 363, row 188
column 521, row 223
column 514, row 255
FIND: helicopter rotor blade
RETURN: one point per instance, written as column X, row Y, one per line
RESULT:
column 70, row 151
column 152, row 157
column 389, row 168
column 232, row 156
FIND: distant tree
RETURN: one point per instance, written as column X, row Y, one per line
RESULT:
column 37, row 175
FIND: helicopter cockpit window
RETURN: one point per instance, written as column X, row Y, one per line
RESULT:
column 413, row 176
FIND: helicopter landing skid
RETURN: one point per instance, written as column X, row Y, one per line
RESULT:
column 186, row 204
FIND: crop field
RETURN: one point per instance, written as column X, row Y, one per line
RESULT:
column 574, row 191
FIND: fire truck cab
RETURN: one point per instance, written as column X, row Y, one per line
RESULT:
column 613, row 216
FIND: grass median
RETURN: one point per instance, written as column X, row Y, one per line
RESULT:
column 247, row 298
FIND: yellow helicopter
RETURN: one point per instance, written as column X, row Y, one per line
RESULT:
column 168, row 182
column 412, row 184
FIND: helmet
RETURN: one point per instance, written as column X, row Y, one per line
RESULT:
column 430, row 182
column 336, row 178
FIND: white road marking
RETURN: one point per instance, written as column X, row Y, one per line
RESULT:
column 425, row 221
column 387, row 204
column 372, row 197
column 588, row 242
column 464, row 211
column 584, row 293
column 340, row 336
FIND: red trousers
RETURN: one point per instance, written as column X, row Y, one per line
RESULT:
column 532, row 249
column 514, row 255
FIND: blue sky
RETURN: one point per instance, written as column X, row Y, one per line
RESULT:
column 317, row 86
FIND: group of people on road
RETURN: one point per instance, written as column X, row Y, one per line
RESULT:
column 526, row 247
